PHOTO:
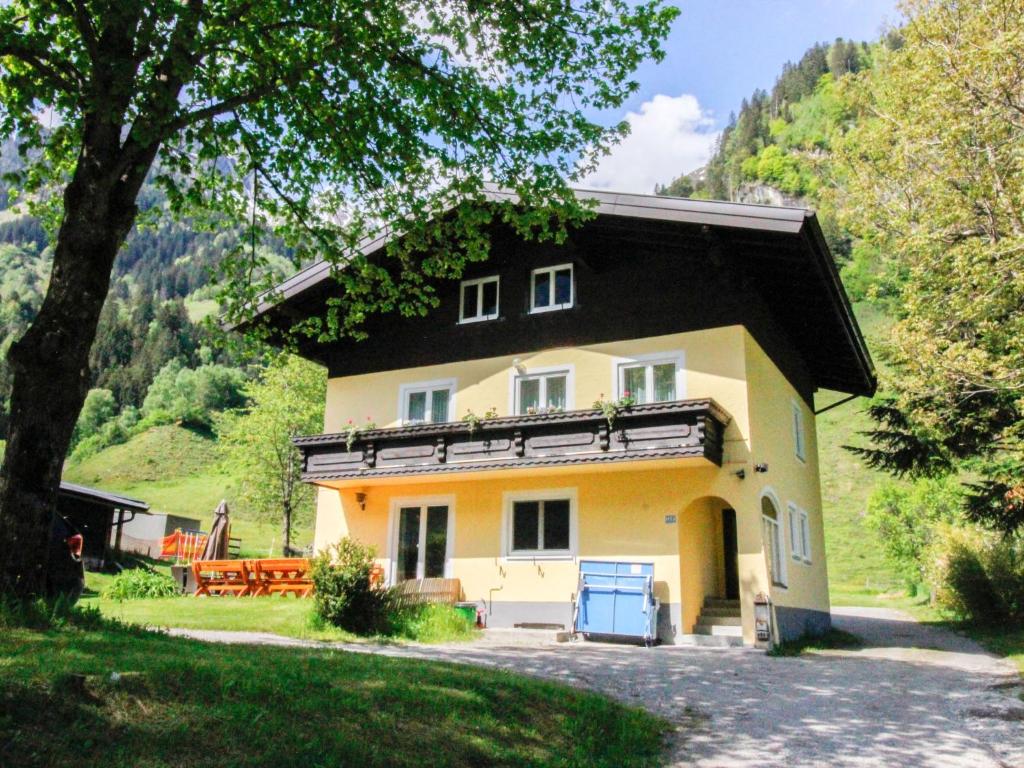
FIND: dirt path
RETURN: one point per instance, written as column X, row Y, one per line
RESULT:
column 913, row 696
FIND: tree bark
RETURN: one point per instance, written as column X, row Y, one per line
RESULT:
column 287, row 532
column 50, row 363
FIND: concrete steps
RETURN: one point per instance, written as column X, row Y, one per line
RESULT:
column 710, row 641
column 719, row 624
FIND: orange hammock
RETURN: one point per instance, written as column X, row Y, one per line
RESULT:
column 183, row 545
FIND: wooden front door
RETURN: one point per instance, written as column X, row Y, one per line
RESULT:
column 730, row 549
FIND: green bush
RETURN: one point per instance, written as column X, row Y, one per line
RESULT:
column 905, row 517
column 139, row 584
column 431, row 623
column 343, row 594
column 977, row 576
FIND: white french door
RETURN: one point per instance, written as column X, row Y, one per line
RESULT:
column 422, row 541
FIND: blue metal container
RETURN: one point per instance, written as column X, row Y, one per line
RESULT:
column 617, row 599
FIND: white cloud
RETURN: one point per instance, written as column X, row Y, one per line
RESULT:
column 670, row 135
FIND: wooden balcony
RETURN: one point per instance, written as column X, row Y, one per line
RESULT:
column 678, row 429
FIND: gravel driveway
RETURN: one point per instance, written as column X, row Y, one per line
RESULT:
column 913, row 696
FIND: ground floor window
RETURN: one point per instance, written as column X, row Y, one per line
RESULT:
column 540, row 524
column 773, row 542
column 799, row 534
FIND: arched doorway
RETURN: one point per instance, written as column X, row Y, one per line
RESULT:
column 708, row 563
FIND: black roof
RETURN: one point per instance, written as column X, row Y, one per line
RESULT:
column 102, row 497
column 783, row 248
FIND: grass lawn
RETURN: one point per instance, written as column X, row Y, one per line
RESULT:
column 176, row 702
column 856, row 562
column 280, row 615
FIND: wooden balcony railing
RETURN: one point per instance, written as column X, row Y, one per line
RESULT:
column 677, row 429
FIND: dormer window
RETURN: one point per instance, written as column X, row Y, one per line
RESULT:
column 478, row 300
column 551, row 288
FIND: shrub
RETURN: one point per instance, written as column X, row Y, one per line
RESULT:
column 431, row 623
column 138, row 584
column 906, row 518
column 343, row 594
column 192, row 396
column 977, row 576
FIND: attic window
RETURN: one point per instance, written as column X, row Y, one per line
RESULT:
column 551, row 288
column 478, row 300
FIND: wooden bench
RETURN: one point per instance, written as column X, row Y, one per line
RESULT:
column 417, row 591
column 287, row 575
column 231, row 577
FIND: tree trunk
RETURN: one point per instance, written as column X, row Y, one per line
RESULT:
column 287, row 526
column 50, row 362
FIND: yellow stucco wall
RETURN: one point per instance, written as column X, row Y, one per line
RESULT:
column 622, row 510
column 789, row 480
column 714, row 363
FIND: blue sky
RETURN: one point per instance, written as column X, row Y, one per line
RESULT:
column 719, row 51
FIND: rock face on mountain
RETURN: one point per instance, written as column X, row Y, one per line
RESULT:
column 764, row 194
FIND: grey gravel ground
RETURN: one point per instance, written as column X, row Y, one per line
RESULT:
column 914, row 695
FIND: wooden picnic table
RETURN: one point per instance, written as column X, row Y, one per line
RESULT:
column 219, row 577
column 286, row 575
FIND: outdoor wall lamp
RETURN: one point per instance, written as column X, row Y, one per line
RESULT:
column 740, row 473
column 361, row 500
column 761, row 468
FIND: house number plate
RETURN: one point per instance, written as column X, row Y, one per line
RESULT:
column 670, row 519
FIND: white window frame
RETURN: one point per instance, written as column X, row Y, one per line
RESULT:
column 799, row 534
column 479, row 283
column 552, row 307
column 509, row 498
column 620, row 364
column 515, row 377
column 799, row 432
column 775, row 526
column 429, row 387
column 390, row 563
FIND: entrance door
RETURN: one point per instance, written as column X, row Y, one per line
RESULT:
column 422, row 542
column 730, row 548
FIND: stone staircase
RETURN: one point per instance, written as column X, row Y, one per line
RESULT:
column 719, row 625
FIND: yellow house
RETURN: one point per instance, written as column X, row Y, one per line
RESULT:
column 643, row 393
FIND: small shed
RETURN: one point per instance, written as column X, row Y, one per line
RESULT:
column 144, row 534
column 99, row 515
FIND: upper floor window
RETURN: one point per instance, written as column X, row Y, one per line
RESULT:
column 799, row 445
column 478, row 299
column 652, row 380
column 542, row 392
column 427, row 402
column 551, row 288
